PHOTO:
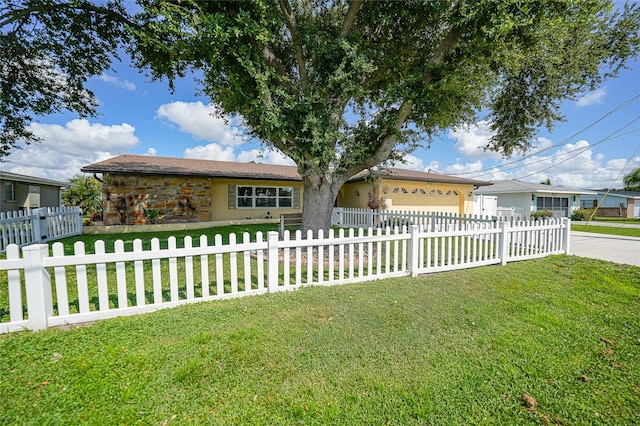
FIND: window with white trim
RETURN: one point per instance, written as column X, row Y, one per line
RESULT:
column 250, row 197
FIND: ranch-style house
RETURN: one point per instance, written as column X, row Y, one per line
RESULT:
column 182, row 190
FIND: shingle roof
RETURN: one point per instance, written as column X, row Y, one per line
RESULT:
column 503, row 186
column 143, row 164
column 414, row 175
column 618, row 193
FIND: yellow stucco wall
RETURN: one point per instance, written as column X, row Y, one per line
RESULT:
column 411, row 195
column 224, row 204
column 354, row 195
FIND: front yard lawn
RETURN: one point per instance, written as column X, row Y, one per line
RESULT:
column 554, row 340
column 610, row 230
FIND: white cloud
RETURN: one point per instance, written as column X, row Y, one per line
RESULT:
column 36, row 160
column 199, row 121
column 595, row 97
column 265, row 156
column 118, row 82
column 433, row 166
column 411, row 162
column 81, row 137
column 471, row 140
column 213, row 151
column 572, row 165
column 541, row 144
column 152, row 152
column 463, row 169
column 66, row 149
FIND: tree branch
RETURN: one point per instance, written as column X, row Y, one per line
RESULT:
column 350, row 17
column 16, row 14
column 272, row 59
column 287, row 13
column 446, row 45
column 385, row 148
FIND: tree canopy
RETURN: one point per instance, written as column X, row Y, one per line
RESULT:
column 343, row 86
column 632, row 180
column 340, row 86
column 84, row 192
column 48, row 51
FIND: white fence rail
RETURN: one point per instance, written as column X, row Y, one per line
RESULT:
column 53, row 288
column 510, row 213
column 39, row 225
column 433, row 221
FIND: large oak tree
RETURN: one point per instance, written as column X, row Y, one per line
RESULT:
column 343, row 86
column 339, row 86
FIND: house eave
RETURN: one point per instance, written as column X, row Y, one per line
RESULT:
column 258, row 176
column 14, row 177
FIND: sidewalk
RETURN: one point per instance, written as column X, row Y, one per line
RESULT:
column 613, row 248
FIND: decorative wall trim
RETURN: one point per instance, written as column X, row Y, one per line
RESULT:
column 296, row 197
column 232, row 197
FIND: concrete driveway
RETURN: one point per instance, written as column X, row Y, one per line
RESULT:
column 614, row 248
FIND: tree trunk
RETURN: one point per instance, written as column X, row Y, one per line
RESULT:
column 318, row 198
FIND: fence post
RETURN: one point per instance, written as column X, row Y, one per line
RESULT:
column 504, row 242
column 412, row 256
column 37, row 286
column 79, row 224
column 41, row 219
column 567, row 235
column 272, row 261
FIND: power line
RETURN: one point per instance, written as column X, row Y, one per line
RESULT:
column 609, row 137
column 625, row 166
column 581, row 149
column 619, row 107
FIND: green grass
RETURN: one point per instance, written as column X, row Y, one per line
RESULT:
column 453, row 348
column 618, row 219
column 146, row 237
column 611, row 230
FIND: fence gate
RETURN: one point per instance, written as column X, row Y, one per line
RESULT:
column 35, row 226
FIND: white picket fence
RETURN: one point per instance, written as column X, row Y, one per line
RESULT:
column 39, row 225
column 434, row 221
column 510, row 213
column 55, row 289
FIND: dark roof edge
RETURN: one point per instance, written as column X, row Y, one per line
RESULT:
column 190, row 173
column 16, row 177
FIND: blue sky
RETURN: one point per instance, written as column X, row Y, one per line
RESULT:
column 597, row 144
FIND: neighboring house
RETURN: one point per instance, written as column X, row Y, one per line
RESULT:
column 616, row 203
column 19, row 192
column 515, row 198
column 203, row 190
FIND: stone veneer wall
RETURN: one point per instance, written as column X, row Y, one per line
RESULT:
column 178, row 198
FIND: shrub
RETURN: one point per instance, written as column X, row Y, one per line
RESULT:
column 153, row 215
column 541, row 214
column 581, row 214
